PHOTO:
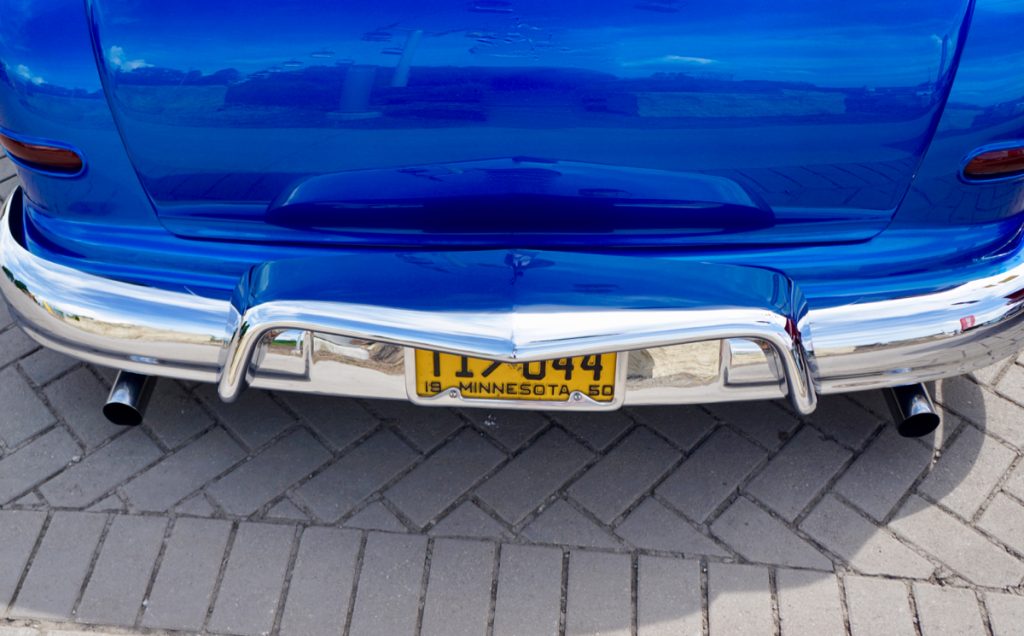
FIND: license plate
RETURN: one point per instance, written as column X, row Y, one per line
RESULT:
column 573, row 379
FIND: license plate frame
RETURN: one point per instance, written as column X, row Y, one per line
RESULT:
column 452, row 396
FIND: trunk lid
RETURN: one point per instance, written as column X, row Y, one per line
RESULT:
column 513, row 122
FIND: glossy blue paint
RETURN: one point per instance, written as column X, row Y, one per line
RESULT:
column 221, row 136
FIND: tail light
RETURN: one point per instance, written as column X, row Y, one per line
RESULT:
column 996, row 164
column 43, row 156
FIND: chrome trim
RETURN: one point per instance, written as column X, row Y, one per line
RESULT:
column 358, row 349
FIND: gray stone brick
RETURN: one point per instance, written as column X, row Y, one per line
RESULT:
column 711, row 474
column 958, row 546
column 13, row 345
column 967, row 472
column 668, row 597
column 1012, row 386
column 1005, row 613
column 529, row 591
column 251, row 588
column 597, row 429
column 798, row 473
column 511, row 429
column 529, row 479
column 337, row 420
column 41, row 458
column 765, row 422
column 366, row 468
column 435, row 484
column 100, row 472
column 78, row 398
column 653, row 526
column 388, row 592
column 45, row 365
column 468, row 520
column 599, row 595
column 321, row 583
column 947, row 610
column 181, row 473
column 5, row 315
column 246, row 489
column 59, row 568
column 865, row 547
column 983, row 407
column 18, row 533
column 188, row 573
column 739, row 600
column 286, row 510
column 1004, row 519
column 683, row 425
column 1014, row 484
column 562, row 524
column 624, row 474
column 758, row 536
column 376, row 516
column 458, row 596
column 119, row 579
column 844, row 420
column 988, row 375
column 878, row 606
column 425, row 427
column 809, row 603
column 254, row 417
column 883, row 473
column 23, row 413
column 197, row 505
column 173, row 415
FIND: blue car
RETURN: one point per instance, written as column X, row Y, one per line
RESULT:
column 518, row 203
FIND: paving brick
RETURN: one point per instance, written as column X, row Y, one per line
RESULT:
column 988, row 375
column 1005, row 613
column 624, row 474
column 173, row 415
column 45, row 365
column 376, row 516
column 947, row 610
column 1004, row 519
column 426, row 427
column 599, row 595
column 653, row 526
column 119, row 579
column 883, row 473
column 468, row 520
column 13, row 345
column 321, row 583
column 528, row 480
column 255, row 418
column 668, row 597
column 251, row 588
column 41, row 458
column 366, row 468
column 101, row 471
column 388, row 593
column 809, row 603
column 598, row 430
column 758, row 536
column 197, row 505
column 60, row 566
column 286, row 510
column 19, row 530
column 5, row 315
column 844, row 420
column 511, row 429
column 1012, row 386
column 529, row 591
column 865, row 547
column 23, row 413
column 1014, row 484
column 739, row 600
column 188, row 573
column 878, row 606
column 798, row 473
column 458, row 598
column 562, row 524
column 246, row 489
column 984, row 408
column 110, row 503
column 711, row 474
column 181, row 473
column 435, row 484
column 765, row 422
column 684, row 426
column 967, row 472
column 958, row 546
column 78, row 398
column 339, row 421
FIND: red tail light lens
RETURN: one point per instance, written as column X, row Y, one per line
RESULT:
column 996, row 164
column 43, row 157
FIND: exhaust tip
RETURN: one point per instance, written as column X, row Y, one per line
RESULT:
column 912, row 410
column 122, row 414
column 128, row 399
column 918, row 425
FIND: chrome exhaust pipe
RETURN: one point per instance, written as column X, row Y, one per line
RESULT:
column 128, row 399
column 912, row 410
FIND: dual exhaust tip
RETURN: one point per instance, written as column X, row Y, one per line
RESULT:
column 912, row 409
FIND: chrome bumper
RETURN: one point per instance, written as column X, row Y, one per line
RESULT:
column 694, row 333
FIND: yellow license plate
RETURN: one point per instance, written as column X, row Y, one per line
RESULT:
column 558, row 380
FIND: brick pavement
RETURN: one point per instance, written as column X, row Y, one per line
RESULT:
column 295, row 515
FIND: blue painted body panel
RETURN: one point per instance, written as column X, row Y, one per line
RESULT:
column 820, row 139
